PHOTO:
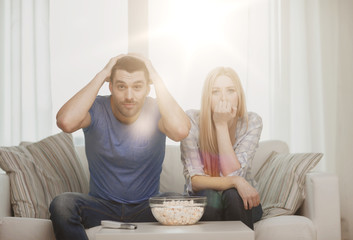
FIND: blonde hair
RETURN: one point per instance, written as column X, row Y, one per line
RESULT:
column 208, row 140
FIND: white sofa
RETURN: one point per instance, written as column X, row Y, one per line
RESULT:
column 318, row 218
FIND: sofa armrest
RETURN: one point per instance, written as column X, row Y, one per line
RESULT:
column 5, row 207
column 16, row 228
column 322, row 204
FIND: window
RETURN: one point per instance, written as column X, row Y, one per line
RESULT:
column 189, row 38
column 186, row 39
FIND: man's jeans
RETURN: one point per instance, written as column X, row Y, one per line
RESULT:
column 71, row 213
column 228, row 206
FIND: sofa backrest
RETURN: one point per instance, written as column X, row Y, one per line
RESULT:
column 172, row 178
column 264, row 151
column 81, row 152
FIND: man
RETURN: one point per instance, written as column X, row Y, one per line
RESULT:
column 125, row 143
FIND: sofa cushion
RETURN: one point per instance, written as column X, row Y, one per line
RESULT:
column 172, row 178
column 281, row 182
column 26, row 228
column 39, row 171
column 285, row 227
column 12, row 228
column 264, row 150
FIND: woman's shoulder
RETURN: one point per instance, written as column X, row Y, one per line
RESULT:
column 253, row 115
column 193, row 114
column 254, row 119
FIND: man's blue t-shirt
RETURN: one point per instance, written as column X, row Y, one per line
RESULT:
column 125, row 160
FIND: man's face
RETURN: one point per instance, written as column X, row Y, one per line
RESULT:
column 129, row 91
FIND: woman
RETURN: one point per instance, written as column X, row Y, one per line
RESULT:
column 218, row 152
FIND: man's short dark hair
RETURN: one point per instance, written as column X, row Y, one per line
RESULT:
column 130, row 64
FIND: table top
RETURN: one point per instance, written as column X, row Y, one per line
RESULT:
column 202, row 230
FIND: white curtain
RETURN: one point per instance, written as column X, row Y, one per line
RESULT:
column 25, row 106
column 304, row 77
column 186, row 41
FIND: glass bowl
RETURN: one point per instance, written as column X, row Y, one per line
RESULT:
column 178, row 210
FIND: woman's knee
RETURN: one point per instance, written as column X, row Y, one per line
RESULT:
column 231, row 196
column 213, row 198
column 234, row 208
column 213, row 209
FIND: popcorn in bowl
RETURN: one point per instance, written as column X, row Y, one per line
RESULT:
column 178, row 210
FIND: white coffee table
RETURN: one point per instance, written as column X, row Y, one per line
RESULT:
column 227, row 230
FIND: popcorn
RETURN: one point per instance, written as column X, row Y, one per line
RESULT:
column 178, row 212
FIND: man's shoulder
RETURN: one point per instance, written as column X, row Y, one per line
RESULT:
column 102, row 98
column 99, row 104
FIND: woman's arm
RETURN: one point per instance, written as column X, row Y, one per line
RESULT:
column 248, row 193
column 224, row 118
column 247, row 142
column 228, row 160
column 235, row 162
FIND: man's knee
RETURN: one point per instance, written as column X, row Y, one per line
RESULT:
column 63, row 203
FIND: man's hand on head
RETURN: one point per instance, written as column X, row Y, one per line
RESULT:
column 107, row 70
column 154, row 77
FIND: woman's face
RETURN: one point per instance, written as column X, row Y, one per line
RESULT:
column 224, row 90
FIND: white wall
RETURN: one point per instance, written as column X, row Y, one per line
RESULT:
column 84, row 35
column 344, row 137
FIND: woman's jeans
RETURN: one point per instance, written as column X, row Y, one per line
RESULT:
column 71, row 213
column 228, row 206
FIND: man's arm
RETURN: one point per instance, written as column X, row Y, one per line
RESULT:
column 174, row 122
column 74, row 114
